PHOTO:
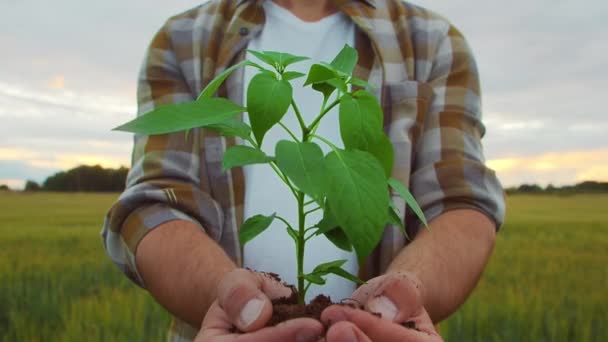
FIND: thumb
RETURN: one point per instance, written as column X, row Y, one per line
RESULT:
column 397, row 297
column 244, row 297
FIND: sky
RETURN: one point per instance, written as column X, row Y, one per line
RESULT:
column 68, row 71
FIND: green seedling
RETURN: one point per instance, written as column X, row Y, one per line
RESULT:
column 350, row 185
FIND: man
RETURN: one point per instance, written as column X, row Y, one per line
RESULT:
column 174, row 230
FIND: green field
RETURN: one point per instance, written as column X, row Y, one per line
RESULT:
column 547, row 280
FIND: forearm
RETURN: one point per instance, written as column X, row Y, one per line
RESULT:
column 181, row 267
column 448, row 258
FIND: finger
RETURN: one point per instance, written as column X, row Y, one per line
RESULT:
column 299, row 330
column 215, row 325
column 244, row 297
column 396, row 297
column 375, row 328
column 345, row 332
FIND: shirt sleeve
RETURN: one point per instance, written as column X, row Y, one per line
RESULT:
column 164, row 181
column 449, row 170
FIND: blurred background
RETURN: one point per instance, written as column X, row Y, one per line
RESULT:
column 67, row 76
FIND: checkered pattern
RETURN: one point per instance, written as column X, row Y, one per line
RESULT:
column 424, row 74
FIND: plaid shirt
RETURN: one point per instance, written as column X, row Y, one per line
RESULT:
column 424, row 74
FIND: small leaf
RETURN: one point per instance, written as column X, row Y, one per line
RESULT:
column 319, row 73
column 293, row 234
column 346, row 275
column 339, row 84
column 357, row 194
column 267, row 102
column 327, row 265
column 240, row 155
column 329, row 227
column 284, row 59
column 324, row 88
column 253, row 227
column 409, row 199
column 212, row 87
column 394, row 219
column 278, row 60
column 231, row 128
column 360, row 83
column 303, row 163
column 292, row 75
column 346, row 60
column 339, row 239
column 315, row 279
column 183, row 116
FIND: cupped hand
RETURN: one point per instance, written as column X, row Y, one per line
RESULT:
column 244, row 306
column 393, row 305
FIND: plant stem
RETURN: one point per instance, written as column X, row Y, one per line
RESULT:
column 312, row 211
column 300, row 120
column 327, row 142
column 288, row 131
column 309, row 202
column 325, row 111
column 300, row 249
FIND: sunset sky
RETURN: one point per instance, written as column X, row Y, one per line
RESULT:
column 68, row 70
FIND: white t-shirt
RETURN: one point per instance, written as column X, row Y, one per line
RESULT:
column 265, row 193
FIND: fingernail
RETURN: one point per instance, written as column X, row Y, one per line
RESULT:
column 307, row 335
column 251, row 311
column 384, row 306
column 350, row 336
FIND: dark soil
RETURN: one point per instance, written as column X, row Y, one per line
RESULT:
column 287, row 308
column 284, row 309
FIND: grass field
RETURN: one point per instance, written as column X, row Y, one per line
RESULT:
column 547, row 280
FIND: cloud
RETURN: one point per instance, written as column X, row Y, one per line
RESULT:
column 69, row 76
column 560, row 168
column 58, row 82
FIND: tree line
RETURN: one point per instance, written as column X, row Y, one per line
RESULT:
column 582, row 187
column 83, row 179
column 98, row 179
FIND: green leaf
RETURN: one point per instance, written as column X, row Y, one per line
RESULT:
column 382, row 148
column 303, row 163
column 314, row 278
column 212, row 87
column 409, row 199
column 329, row 227
column 292, row 75
column 324, row 88
column 339, row 239
column 240, row 155
column 358, row 196
column 183, row 116
column 322, row 268
column 360, row 83
column 232, row 128
column 344, row 274
column 346, row 60
column 361, row 128
column 293, row 234
column 253, row 227
column 267, row 102
column 278, row 60
column 339, row 84
column 394, row 219
column 319, row 73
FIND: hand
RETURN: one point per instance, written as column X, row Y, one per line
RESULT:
column 391, row 302
column 244, row 305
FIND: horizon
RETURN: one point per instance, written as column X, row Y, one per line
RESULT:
column 69, row 75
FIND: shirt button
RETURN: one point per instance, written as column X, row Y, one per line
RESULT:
column 243, row 31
